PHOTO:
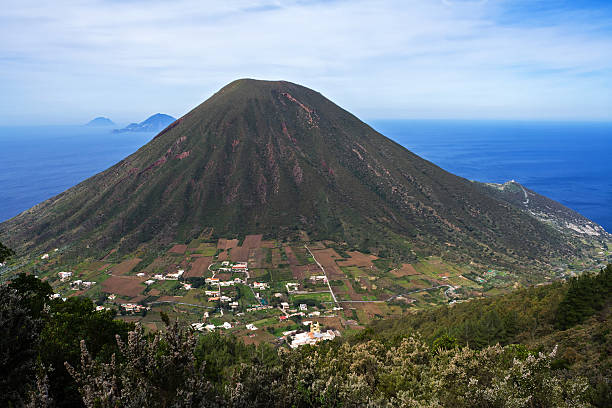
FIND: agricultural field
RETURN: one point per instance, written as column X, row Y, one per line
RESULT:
column 271, row 285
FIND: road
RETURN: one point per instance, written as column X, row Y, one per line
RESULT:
column 325, row 274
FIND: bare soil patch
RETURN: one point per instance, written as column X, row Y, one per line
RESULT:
column 305, row 271
column 129, row 286
column 227, row 243
column 125, row 267
column 178, row 249
column 358, row 259
column 326, row 258
column 240, row 254
column 405, row 270
column 199, row 267
column 252, row 241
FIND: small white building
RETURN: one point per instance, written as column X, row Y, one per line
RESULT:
column 45, row 256
column 64, row 275
column 284, row 305
column 292, row 286
column 251, row 327
column 303, row 306
column 149, row 282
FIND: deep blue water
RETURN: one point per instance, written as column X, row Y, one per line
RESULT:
column 568, row 162
column 37, row 163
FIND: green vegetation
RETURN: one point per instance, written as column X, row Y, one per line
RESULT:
column 326, row 174
column 5, row 252
column 587, row 294
column 500, row 352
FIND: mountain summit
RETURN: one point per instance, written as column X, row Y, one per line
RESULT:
column 277, row 158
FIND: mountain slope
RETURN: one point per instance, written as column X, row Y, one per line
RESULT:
column 545, row 209
column 278, row 158
column 153, row 123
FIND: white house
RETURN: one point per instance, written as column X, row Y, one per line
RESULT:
column 64, row 275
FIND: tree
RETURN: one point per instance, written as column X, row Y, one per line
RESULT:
column 18, row 347
column 34, row 292
column 5, row 252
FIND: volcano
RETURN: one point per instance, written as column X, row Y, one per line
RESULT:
column 280, row 159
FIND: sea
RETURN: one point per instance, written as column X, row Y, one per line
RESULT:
column 570, row 162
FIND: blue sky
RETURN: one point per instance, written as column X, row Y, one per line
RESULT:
column 66, row 61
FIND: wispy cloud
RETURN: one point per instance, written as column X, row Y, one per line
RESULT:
column 67, row 60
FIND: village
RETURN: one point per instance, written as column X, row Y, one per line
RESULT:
column 291, row 293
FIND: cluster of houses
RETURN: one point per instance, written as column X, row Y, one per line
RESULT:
column 168, row 276
column 318, row 278
column 134, row 308
column 79, row 284
column 313, row 336
column 255, row 308
column 210, row 327
column 217, row 281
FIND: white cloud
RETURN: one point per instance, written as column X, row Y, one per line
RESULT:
column 69, row 60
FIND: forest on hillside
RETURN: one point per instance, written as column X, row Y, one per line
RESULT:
column 546, row 346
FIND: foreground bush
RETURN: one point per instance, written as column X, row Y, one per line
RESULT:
column 163, row 371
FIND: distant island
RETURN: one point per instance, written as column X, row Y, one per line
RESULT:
column 155, row 123
column 100, row 121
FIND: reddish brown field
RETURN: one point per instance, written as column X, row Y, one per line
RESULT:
column 130, row 286
column 178, row 249
column 227, row 243
column 405, row 270
column 257, row 258
column 103, row 267
column 252, row 241
column 222, row 256
column 358, row 259
column 326, row 258
column 125, row 267
column 305, row 271
column 199, row 267
column 240, row 254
